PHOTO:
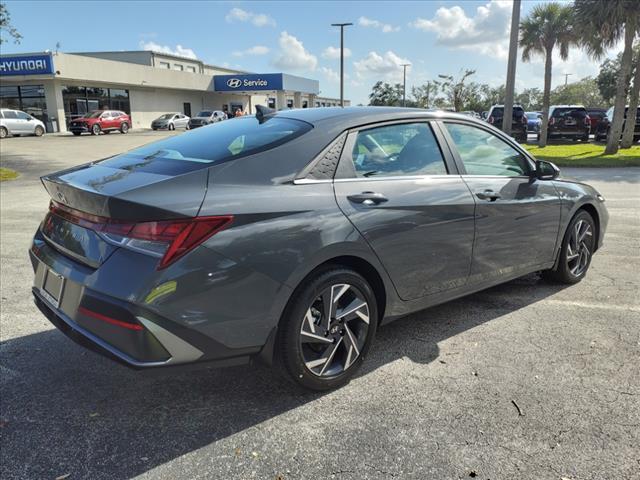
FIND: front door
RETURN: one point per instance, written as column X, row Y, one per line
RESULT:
column 517, row 215
column 394, row 185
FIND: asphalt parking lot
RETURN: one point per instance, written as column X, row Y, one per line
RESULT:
column 527, row 380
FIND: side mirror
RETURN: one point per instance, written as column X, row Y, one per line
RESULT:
column 546, row 170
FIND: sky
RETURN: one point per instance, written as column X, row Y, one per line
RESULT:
column 296, row 37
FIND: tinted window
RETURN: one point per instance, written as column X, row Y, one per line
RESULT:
column 404, row 149
column 569, row 112
column 205, row 113
column 499, row 112
column 483, row 153
column 223, row 140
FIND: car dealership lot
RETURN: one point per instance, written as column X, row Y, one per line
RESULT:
column 525, row 380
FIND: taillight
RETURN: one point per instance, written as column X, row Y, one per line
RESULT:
column 168, row 239
column 490, row 120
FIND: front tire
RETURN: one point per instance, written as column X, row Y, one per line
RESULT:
column 577, row 248
column 4, row 133
column 327, row 329
column 39, row 131
column 172, row 127
column 95, row 130
column 124, row 128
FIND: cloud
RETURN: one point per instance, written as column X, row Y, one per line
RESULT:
column 333, row 53
column 331, row 75
column 179, row 50
column 257, row 19
column 253, row 51
column 387, row 65
column 385, row 27
column 487, row 32
column 292, row 54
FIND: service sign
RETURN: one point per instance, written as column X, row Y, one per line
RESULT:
column 26, row 64
column 247, row 82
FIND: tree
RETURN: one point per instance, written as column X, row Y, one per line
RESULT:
column 425, row 95
column 630, row 124
column 601, row 26
column 385, row 94
column 5, row 26
column 583, row 92
column 547, row 26
column 530, row 99
column 608, row 77
column 455, row 91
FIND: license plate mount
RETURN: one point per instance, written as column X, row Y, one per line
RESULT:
column 52, row 287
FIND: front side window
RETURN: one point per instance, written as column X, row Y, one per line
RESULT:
column 397, row 150
column 483, row 153
column 23, row 116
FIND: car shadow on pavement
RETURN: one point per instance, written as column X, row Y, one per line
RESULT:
column 67, row 410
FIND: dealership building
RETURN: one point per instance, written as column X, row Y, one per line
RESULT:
column 58, row 87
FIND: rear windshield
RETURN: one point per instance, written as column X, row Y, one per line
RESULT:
column 220, row 141
column 499, row 112
column 205, row 113
column 570, row 112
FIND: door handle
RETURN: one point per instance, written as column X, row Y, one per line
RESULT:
column 368, row 198
column 488, row 195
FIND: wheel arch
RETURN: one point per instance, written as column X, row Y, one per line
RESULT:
column 593, row 211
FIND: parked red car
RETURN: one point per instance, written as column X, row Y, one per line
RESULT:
column 101, row 121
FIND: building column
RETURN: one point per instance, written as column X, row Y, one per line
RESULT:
column 281, row 100
column 297, row 100
column 55, row 104
column 311, row 101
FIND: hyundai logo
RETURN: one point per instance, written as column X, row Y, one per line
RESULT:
column 234, row 82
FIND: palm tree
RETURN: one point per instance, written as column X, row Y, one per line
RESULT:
column 630, row 124
column 547, row 26
column 601, row 25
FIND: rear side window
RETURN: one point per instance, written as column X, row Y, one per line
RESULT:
column 483, row 153
column 10, row 114
column 397, row 150
column 222, row 141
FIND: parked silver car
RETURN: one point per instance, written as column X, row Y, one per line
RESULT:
column 206, row 117
column 170, row 121
column 16, row 122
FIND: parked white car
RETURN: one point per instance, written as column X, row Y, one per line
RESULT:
column 170, row 121
column 16, row 122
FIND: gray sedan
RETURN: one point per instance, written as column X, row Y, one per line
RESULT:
column 170, row 121
column 289, row 237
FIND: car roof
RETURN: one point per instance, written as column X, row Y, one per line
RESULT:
column 349, row 117
column 567, row 106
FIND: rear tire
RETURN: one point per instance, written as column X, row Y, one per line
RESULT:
column 576, row 250
column 124, row 128
column 322, row 322
column 95, row 129
column 4, row 133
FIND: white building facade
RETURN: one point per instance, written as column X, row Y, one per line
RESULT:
column 58, row 87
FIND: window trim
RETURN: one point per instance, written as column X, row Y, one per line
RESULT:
column 492, row 131
column 346, row 170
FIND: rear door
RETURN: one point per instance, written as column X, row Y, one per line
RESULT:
column 404, row 195
column 517, row 215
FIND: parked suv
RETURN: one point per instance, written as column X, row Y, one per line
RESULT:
column 569, row 121
column 206, row 117
column 98, row 121
column 518, row 121
column 606, row 126
column 16, row 122
column 598, row 118
column 170, row 121
column 534, row 121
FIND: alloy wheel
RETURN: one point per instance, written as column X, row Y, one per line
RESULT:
column 579, row 248
column 334, row 330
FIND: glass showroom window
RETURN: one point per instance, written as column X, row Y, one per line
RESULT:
column 28, row 98
column 80, row 100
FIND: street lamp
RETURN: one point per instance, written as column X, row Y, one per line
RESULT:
column 404, row 83
column 566, row 78
column 341, row 25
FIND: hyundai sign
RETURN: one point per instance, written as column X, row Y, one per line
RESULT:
column 247, row 82
column 26, row 64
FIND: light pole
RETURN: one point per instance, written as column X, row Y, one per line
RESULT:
column 404, row 83
column 566, row 78
column 341, row 25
